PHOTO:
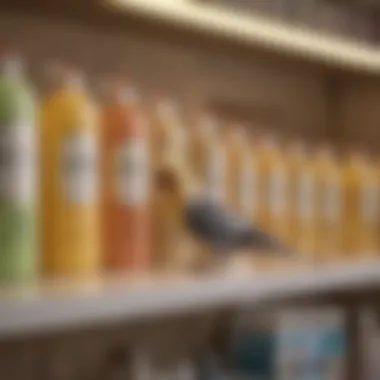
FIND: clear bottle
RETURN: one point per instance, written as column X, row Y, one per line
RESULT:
column 329, row 206
column 17, row 173
column 125, row 181
column 69, row 176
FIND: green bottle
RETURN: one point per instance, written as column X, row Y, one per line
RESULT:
column 17, row 174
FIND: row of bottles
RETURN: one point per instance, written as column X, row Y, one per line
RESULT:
column 323, row 205
column 97, row 202
column 58, row 218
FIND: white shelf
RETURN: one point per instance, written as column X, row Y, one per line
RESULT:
column 49, row 308
column 257, row 32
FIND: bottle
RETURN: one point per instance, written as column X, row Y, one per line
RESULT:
column 301, row 200
column 361, row 208
column 242, row 168
column 169, row 136
column 329, row 207
column 70, row 199
column 17, row 173
column 273, row 187
column 125, row 182
column 208, row 158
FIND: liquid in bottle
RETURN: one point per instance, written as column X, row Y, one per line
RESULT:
column 125, row 181
column 17, row 173
column 273, row 187
column 70, row 199
column 301, row 200
column 208, row 158
column 329, row 206
column 361, row 192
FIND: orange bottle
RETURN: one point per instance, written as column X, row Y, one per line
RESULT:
column 361, row 191
column 329, row 197
column 273, row 187
column 125, row 175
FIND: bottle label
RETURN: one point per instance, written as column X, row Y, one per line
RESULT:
column 17, row 164
column 132, row 173
column 80, row 169
column 277, row 191
column 331, row 199
column 248, row 188
column 370, row 202
column 216, row 174
column 306, row 195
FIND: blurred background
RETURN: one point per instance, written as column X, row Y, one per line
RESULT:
column 189, row 189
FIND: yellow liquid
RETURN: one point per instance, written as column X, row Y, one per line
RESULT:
column 240, row 175
column 301, row 202
column 360, row 208
column 68, row 173
column 329, row 217
column 273, row 188
column 207, row 158
column 169, row 137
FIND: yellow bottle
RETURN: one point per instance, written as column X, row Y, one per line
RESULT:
column 169, row 136
column 361, row 191
column 69, row 178
column 301, row 200
column 208, row 158
column 329, row 207
column 240, row 171
column 273, row 187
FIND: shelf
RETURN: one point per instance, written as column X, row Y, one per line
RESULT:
column 257, row 32
column 57, row 307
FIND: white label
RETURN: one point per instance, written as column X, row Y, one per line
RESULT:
column 132, row 168
column 80, row 170
column 306, row 195
column 277, row 191
column 331, row 198
column 370, row 202
column 248, row 187
column 17, row 164
column 216, row 174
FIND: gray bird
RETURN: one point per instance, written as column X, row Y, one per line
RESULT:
column 225, row 231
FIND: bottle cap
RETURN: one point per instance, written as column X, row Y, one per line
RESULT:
column 62, row 72
column 166, row 107
column 10, row 62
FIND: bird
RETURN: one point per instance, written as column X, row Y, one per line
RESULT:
column 208, row 220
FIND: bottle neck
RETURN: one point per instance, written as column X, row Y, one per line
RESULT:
column 10, row 68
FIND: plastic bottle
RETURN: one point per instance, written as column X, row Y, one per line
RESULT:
column 329, row 207
column 361, row 208
column 17, row 173
column 242, row 168
column 301, row 199
column 273, row 187
column 125, row 182
column 169, row 136
column 70, row 199
column 208, row 158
